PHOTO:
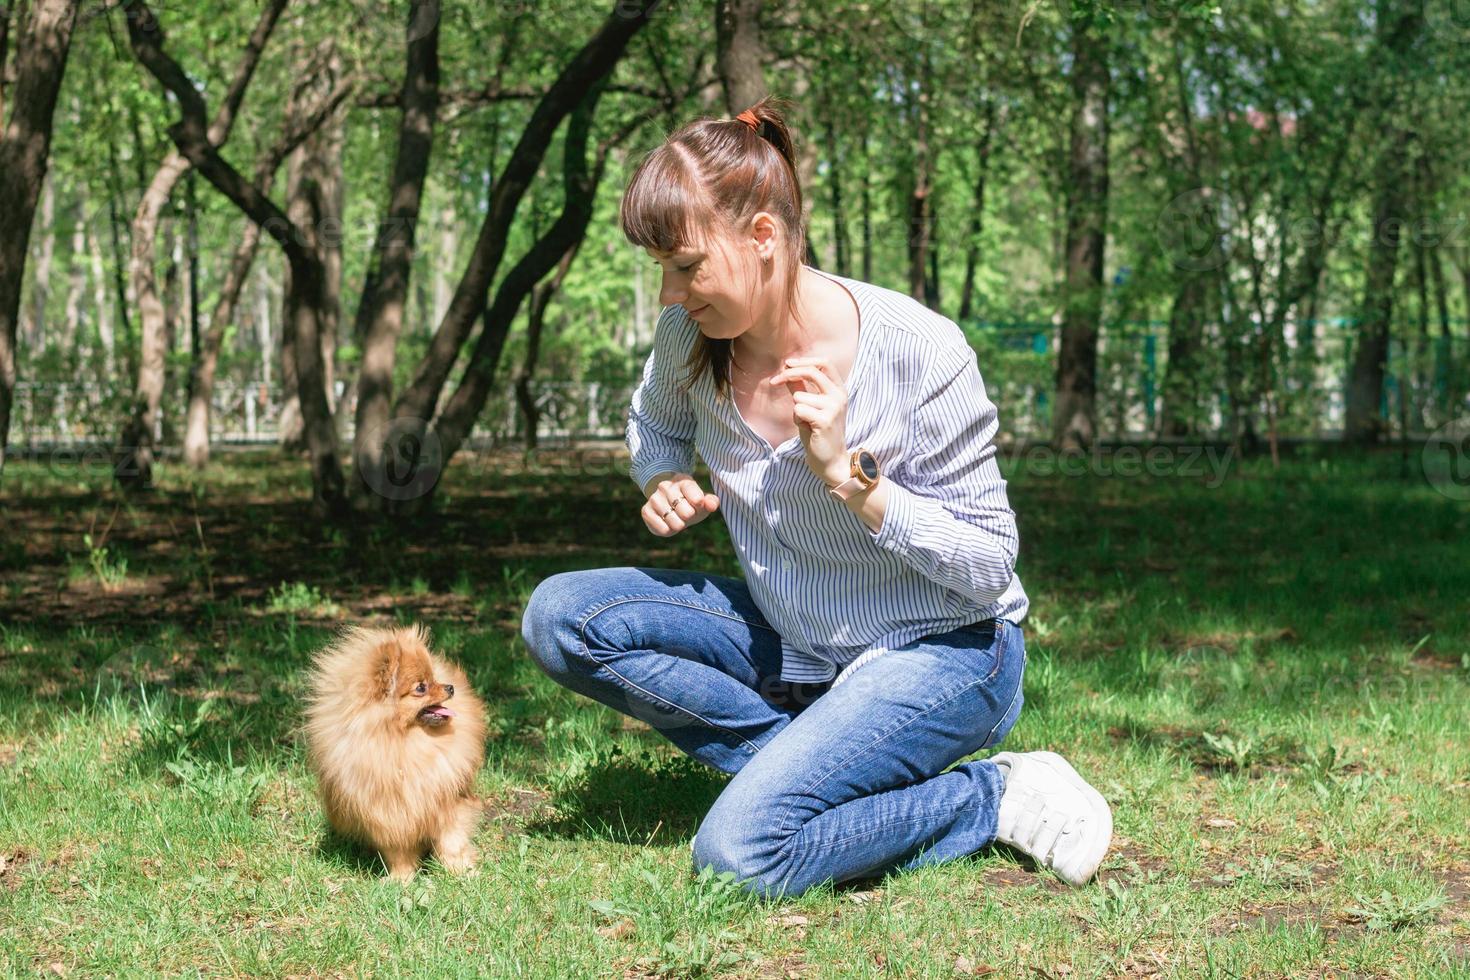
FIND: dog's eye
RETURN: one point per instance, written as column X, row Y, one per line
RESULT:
column 421, row 689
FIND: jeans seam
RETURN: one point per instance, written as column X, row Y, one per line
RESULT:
column 999, row 662
column 597, row 610
column 990, row 738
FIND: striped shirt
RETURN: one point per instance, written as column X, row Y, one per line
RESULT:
column 838, row 593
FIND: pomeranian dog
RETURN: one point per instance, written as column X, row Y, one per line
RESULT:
column 395, row 739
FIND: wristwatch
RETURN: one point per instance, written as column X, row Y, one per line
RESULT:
column 865, row 473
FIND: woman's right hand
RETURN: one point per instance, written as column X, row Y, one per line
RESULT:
column 679, row 495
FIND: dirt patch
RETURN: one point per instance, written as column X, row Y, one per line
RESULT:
column 11, row 863
column 1128, row 863
column 1456, row 883
column 1011, row 877
column 514, row 809
column 1283, row 873
column 789, row 966
column 1265, row 918
column 1226, row 643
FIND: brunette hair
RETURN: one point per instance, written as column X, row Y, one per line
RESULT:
column 728, row 170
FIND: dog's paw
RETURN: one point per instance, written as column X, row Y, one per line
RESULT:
column 460, row 862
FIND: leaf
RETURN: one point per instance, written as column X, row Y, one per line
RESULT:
column 610, row 909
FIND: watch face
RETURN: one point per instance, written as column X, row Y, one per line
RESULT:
column 868, row 464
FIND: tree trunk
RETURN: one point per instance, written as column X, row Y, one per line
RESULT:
column 133, row 456
column 739, row 53
column 74, row 339
column 1364, row 422
column 6, row 14
column 33, row 327
column 25, row 148
column 206, row 358
column 597, row 58
column 106, row 338
column 1179, row 414
column 121, row 290
column 1399, row 23
column 840, row 256
column 191, row 137
column 191, row 251
column 291, row 431
column 535, row 323
column 326, row 151
column 173, row 312
column 867, row 204
column 1074, row 422
column 977, row 210
column 559, row 243
column 380, row 310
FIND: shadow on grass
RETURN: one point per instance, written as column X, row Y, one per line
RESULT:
column 349, row 856
column 624, row 800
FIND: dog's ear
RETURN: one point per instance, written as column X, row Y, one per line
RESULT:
column 388, row 659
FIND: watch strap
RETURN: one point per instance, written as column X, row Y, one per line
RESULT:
column 847, row 488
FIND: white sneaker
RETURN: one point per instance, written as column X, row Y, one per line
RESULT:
column 1052, row 814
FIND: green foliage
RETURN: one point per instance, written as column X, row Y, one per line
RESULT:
column 1279, row 114
column 110, row 570
column 297, row 597
column 1387, row 910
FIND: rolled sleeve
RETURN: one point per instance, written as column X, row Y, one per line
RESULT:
column 661, row 421
column 948, row 515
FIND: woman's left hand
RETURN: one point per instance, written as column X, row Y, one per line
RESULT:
column 821, row 415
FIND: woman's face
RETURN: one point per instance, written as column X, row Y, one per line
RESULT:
column 721, row 281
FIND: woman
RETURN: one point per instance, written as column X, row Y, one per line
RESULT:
column 874, row 638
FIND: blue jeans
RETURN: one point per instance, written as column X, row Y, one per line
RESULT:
column 830, row 783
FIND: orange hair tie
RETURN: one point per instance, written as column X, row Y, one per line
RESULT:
column 749, row 118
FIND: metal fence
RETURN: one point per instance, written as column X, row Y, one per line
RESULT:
column 73, row 414
column 1427, row 384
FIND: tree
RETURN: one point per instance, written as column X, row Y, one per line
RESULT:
column 305, row 303
column 133, row 455
column 414, row 410
column 1400, row 24
column 25, row 149
column 739, row 54
column 1074, row 422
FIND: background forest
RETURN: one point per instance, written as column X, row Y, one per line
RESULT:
column 1155, row 219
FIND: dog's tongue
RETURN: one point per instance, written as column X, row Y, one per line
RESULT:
column 439, row 711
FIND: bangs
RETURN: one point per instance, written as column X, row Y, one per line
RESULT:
column 658, row 210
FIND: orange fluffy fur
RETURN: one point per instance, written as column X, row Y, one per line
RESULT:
column 392, row 771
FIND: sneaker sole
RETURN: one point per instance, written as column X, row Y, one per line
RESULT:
column 1102, row 830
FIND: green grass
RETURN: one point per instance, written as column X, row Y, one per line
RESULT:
column 1266, row 678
